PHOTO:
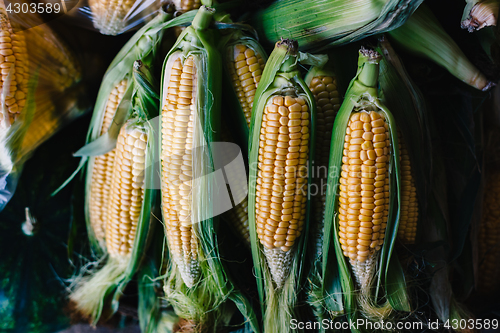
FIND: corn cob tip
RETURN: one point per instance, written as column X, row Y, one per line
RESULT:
column 279, row 263
column 483, row 14
column 488, row 86
column 290, row 44
column 369, row 53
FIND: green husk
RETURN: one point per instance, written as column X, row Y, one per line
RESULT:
column 423, row 36
column 479, row 14
column 98, row 294
column 203, row 303
column 319, row 24
column 378, row 297
column 278, row 298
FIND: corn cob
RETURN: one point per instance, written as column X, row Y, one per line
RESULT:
column 127, row 191
column 237, row 217
column 179, row 122
column 14, row 67
column 102, row 169
column 323, row 86
column 245, row 66
column 281, row 190
column 479, row 14
column 111, row 17
column 243, row 63
column 407, row 229
column 364, row 191
column 185, row 6
column 489, row 251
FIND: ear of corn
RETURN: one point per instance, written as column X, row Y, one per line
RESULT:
column 423, row 36
column 281, row 148
column 14, row 63
column 341, row 21
column 479, row 14
column 197, row 285
column 364, row 211
column 237, row 217
column 400, row 94
column 108, row 117
column 323, row 85
column 244, row 61
column 128, row 210
column 116, row 17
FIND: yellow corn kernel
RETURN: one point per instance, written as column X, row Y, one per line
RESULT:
column 245, row 67
column 127, row 191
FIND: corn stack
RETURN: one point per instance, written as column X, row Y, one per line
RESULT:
column 196, row 285
column 489, row 251
column 281, row 146
column 364, row 149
